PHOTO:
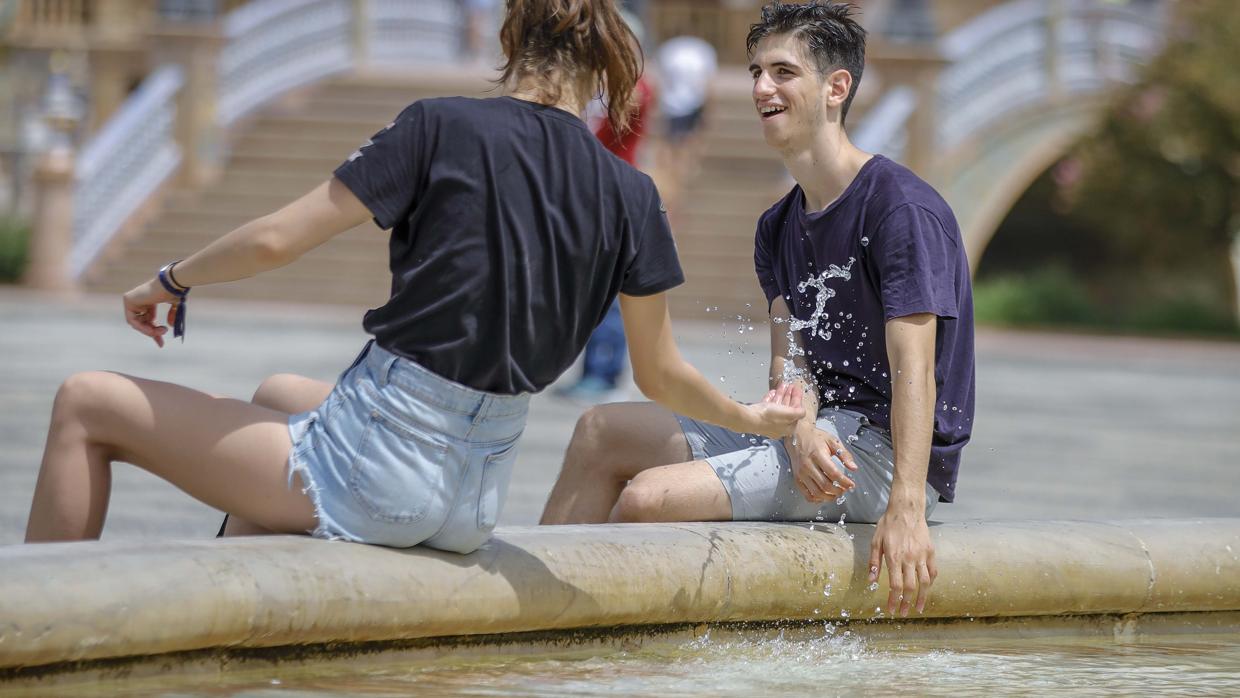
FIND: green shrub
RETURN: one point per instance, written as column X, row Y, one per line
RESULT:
column 1046, row 297
column 14, row 236
column 1051, row 297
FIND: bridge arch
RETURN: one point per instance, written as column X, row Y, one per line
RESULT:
column 1020, row 84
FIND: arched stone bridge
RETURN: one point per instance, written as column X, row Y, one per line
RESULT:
column 1015, row 88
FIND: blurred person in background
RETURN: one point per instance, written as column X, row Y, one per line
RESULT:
column 512, row 232
column 687, row 65
column 603, row 360
column 479, row 15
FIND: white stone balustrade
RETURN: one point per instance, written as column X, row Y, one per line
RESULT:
column 123, row 164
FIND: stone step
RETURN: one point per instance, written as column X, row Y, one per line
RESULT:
column 295, row 145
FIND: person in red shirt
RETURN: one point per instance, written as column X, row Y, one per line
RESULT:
column 606, row 351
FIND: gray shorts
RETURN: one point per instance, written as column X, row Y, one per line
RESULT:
column 757, row 473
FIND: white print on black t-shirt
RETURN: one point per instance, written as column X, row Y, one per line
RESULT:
column 369, row 142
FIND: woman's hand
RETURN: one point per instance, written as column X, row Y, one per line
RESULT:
column 778, row 413
column 141, row 305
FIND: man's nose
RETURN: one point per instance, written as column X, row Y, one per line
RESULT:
column 763, row 86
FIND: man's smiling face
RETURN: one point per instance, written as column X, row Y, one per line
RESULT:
column 788, row 93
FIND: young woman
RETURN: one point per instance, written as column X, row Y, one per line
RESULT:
column 513, row 230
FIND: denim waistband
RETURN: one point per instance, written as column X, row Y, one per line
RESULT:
column 437, row 390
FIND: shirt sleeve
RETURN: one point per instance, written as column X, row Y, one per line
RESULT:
column 763, row 263
column 655, row 266
column 915, row 261
column 383, row 173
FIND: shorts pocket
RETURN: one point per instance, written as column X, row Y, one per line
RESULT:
column 397, row 474
column 496, row 472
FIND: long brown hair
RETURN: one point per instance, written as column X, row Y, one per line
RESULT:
column 557, row 41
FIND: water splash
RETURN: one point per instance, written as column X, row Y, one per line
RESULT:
column 824, row 294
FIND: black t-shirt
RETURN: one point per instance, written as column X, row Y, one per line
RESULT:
column 513, row 229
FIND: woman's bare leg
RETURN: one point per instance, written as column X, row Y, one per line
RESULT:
column 283, row 392
column 229, row 454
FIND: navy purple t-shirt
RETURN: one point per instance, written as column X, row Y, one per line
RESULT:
column 901, row 253
column 513, row 229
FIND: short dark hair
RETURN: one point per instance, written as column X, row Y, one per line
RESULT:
column 831, row 36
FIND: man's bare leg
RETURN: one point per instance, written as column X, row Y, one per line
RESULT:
column 288, row 393
column 679, row 492
column 611, row 445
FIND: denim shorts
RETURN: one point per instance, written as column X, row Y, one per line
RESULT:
column 757, row 472
column 399, row 456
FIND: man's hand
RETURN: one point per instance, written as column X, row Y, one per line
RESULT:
column 778, row 413
column 902, row 541
column 818, row 476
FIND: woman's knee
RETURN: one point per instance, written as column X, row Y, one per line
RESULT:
column 81, row 392
column 272, row 389
column 291, row 393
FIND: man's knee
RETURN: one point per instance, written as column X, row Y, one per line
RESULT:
column 640, row 501
column 593, row 435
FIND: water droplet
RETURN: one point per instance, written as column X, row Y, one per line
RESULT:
column 873, row 586
column 845, row 362
column 865, row 241
column 852, row 438
column 722, row 380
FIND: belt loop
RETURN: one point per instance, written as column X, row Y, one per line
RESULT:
column 385, row 375
column 484, row 410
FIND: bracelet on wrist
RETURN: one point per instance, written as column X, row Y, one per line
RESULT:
column 168, row 281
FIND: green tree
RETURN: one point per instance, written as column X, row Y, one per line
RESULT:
column 1161, row 177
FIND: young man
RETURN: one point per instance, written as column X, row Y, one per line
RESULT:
column 864, row 267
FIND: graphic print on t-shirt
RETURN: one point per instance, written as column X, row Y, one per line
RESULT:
column 369, row 142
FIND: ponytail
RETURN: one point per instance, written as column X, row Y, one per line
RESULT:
column 568, row 40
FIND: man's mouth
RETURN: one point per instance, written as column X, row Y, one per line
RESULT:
column 771, row 111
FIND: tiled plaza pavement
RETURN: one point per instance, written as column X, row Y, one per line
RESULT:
column 1067, row 426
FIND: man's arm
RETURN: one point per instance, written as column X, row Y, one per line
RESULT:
column 902, row 538
column 809, row 448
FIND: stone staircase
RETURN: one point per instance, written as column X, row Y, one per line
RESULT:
column 291, row 147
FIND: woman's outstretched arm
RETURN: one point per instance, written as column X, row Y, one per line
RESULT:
column 263, row 244
column 665, row 377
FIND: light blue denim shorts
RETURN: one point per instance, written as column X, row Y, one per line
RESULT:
column 399, row 456
column 757, row 473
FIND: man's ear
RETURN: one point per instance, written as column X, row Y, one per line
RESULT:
column 836, row 88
